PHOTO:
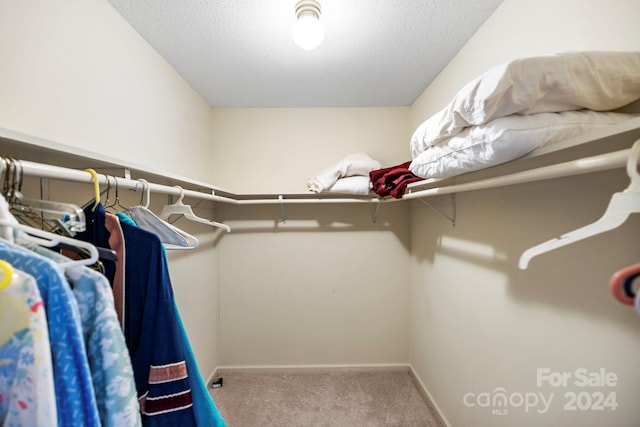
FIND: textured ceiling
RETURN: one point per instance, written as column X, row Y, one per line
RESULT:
column 239, row 53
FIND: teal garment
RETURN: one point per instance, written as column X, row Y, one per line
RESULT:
column 204, row 409
column 126, row 219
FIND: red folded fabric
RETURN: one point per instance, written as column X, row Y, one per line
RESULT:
column 392, row 181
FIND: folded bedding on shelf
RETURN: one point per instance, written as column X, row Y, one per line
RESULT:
column 356, row 185
column 356, row 164
column 506, row 138
column 594, row 80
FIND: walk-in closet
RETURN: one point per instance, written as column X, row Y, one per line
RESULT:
column 445, row 303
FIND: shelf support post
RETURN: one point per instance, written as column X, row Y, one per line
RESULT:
column 451, row 218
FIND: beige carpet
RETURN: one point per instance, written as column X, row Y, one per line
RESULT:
column 336, row 399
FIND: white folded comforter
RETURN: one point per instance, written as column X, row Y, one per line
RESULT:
column 356, row 164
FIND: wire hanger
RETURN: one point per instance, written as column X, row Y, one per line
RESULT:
column 172, row 237
column 7, row 274
column 180, row 208
column 622, row 204
column 53, row 216
column 116, row 205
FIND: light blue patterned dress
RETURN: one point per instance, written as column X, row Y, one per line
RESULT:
column 27, row 396
column 107, row 352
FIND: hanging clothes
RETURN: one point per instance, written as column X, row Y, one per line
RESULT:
column 111, row 372
column 205, row 411
column 75, row 397
column 27, row 394
column 157, row 345
column 152, row 334
column 96, row 232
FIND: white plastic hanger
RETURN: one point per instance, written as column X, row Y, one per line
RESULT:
column 622, row 204
column 180, row 208
column 44, row 238
column 172, row 237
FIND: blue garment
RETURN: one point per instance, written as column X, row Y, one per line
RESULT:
column 205, row 410
column 75, row 398
column 153, row 335
column 107, row 353
column 97, row 233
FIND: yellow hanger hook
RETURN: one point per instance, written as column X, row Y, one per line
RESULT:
column 7, row 274
column 96, row 186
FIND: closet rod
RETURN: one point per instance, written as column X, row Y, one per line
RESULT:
column 74, row 175
column 597, row 163
column 574, row 167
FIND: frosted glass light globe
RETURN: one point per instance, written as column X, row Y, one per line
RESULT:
column 307, row 31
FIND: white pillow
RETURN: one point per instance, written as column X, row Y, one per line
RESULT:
column 505, row 139
column 567, row 81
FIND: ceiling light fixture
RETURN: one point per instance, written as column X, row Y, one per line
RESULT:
column 307, row 31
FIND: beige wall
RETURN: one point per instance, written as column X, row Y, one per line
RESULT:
column 478, row 323
column 74, row 72
column 328, row 287
column 310, row 291
column 276, row 150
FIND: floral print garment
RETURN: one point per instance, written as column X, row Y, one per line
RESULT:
column 27, row 396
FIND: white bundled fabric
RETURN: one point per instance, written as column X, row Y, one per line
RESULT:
column 357, row 185
column 505, row 139
column 356, row 164
column 594, row 80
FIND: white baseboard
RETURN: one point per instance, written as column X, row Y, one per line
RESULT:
column 435, row 409
column 220, row 370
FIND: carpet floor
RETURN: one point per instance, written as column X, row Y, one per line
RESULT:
column 336, row 399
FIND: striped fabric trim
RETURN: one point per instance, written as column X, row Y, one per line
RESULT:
column 141, row 401
column 163, row 404
column 166, row 373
